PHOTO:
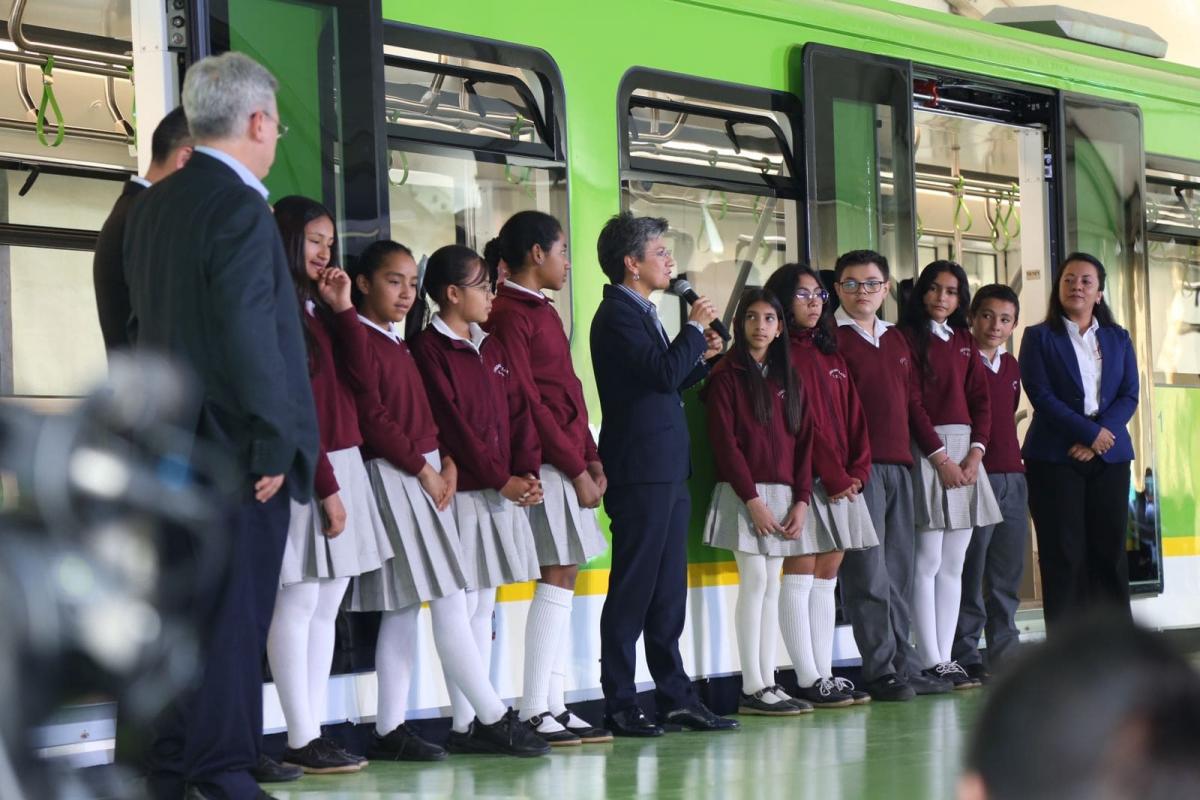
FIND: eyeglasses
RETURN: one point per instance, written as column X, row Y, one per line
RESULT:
column 852, row 286
column 661, row 252
column 487, row 287
column 805, row 296
column 281, row 129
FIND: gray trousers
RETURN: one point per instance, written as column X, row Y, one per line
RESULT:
column 992, row 577
column 877, row 582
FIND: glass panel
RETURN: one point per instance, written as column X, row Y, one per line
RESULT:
column 1173, row 217
column 666, row 130
column 858, row 137
column 58, row 201
column 1105, row 216
column 452, row 198
column 462, row 96
column 722, row 241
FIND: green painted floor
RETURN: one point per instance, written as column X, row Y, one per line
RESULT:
column 882, row 750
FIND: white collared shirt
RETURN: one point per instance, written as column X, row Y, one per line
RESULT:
column 243, row 172
column 525, row 289
column 140, row 181
column 942, row 330
column 392, row 331
column 842, row 319
column 1087, row 353
column 477, row 333
column 994, row 364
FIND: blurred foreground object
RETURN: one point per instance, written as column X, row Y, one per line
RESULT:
column 106, row 497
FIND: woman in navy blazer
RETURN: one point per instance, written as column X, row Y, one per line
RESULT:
column 1081, row 376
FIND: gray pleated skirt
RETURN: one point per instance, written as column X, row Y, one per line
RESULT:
column 847, row 523
column 362, row 547
column 563, row 532
column 938, row 509
column 428, row 558
column 729, row 526
column 497, row 542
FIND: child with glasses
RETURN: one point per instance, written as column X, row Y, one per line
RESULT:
column 484, row 424
column 841, row 468
column 877, row 582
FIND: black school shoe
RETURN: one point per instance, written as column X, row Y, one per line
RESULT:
column 403, row 744
column 695, row 717
column 268, row 770
column 362, row 760
column 588, row 734
column 507, row 736
column 756, row 705
column 928, row 681
column 825, row 694
column 631, row 722
column 802, row 706
column 890, row 688
column 979, row 672
column 559, row 738
column 846, row 686
column 952, row 672
column 320, row 757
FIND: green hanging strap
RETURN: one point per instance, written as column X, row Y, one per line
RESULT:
column 49, row 98
column 961, row 212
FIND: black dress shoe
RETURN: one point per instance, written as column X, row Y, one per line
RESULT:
column 890, row 688
column 320, row 757
column 696, row 717
column 631, row 722
column 927, row 681
column 194, row 792
column 268, row 770
column 587, row 733
column 978, row 672
column 403, row 744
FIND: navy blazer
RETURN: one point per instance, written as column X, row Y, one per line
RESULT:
column 1050, row 374
column 644, row 434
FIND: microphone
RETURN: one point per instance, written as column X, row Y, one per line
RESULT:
column 682, row 288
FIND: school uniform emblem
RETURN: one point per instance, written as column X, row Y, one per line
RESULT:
column 904, row 361
column 840, row 374
column 965, row 351
column 1015, row 384
column 500, row 370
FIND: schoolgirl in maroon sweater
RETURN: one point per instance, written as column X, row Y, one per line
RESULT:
column 414, row 486
column 762, row 443
column 484, row 424
column 841, row 468
column 950, row 500
column 339, row 535
column 565, row 529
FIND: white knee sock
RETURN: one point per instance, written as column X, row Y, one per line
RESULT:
column 479, row 609
column 545, row 628
column 556, row 696
column 768, row 647
column 948, row 587
column 320, row 643
column 821, row 618
column 924, row 602
column 466, row 675
column 794, row 622
column 748, row 614
column 395, row 651
column 287, row 653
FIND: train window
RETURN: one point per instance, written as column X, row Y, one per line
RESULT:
column 474, row 135
column 1173, row 230
column 716, row 161
column 50, row 342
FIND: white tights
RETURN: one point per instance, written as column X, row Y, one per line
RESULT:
column 937, row 591
column 478, row 606
column 757, row 618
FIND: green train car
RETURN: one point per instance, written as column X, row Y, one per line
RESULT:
column 765, row 131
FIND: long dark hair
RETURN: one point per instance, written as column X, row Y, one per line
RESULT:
column 783, row 284
column 518, row 236
column 1055, row 311
column 778, row 361
column 448, row 266
column 914, row 319
column 292, row 214
column 368, row 263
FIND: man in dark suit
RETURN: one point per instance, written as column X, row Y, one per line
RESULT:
column 646, row 453
column 209, row 286
column 170, row 148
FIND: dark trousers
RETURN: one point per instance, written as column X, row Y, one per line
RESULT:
column 647, row 593
column 212, row 735
column 877, row 582
column 991, row 579
column 1080, row 513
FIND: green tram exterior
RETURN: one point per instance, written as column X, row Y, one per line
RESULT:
column 604, row 68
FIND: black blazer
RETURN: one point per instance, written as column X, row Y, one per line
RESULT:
column 643, row 434
column 209, row 285
column 108, row 271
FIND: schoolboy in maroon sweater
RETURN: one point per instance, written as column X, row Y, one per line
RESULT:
column 877, row 582
column 996, row 556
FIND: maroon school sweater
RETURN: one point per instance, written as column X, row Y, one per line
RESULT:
column 480, row 408
column 953, row 388
column 1004, row 387
column 339, row 366
column 891, row 396
column 393, row 409
column 841, row 445
column 540, row 356
column 747, row 451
